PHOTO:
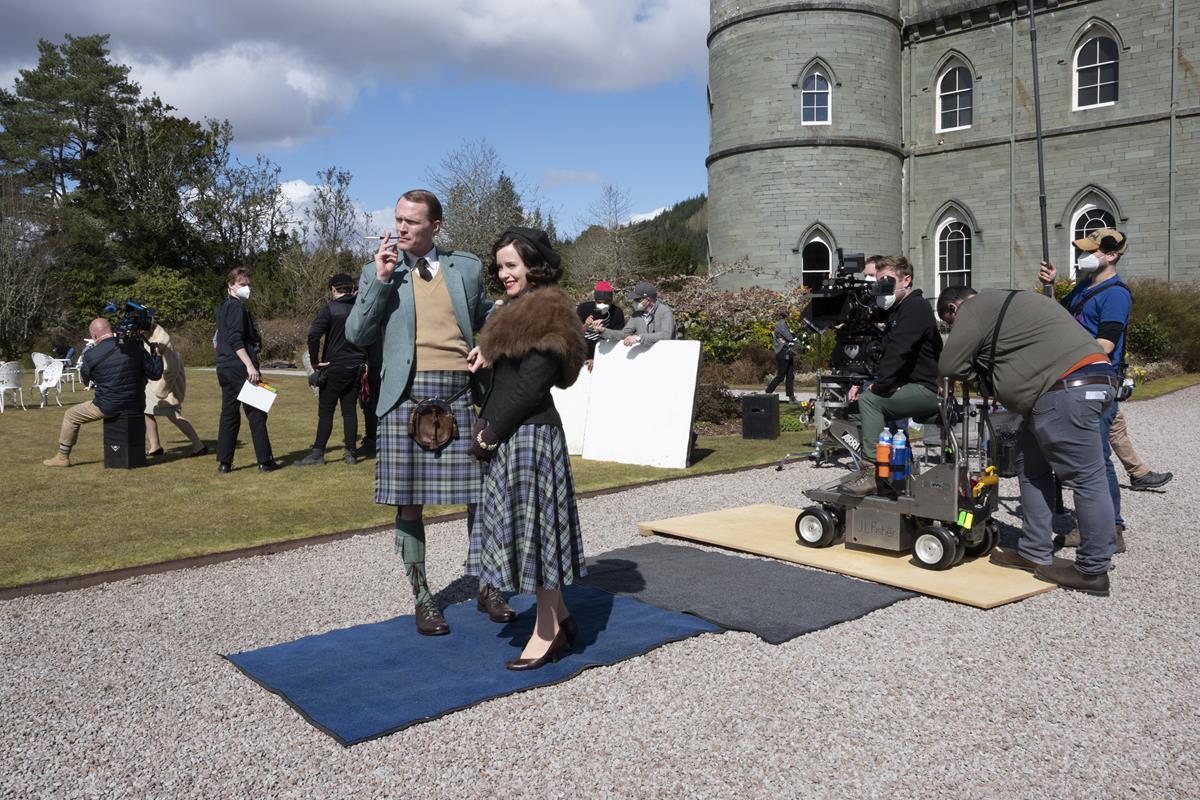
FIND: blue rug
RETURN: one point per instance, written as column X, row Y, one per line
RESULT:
column 360, row 683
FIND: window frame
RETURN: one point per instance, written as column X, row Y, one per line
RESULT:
column 938, row 271
column 1086, row 207
column 938, row 105
column 817, row 71
column 1075, row 69
column 816, row 238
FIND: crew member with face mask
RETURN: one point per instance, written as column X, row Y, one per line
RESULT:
column 907, row 384
column 597, row 315
column 652, row 320
column 1101, row 303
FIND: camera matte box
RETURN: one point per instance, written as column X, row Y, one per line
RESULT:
column 125, row 441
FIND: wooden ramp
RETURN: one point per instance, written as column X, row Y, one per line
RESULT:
column 768, row 530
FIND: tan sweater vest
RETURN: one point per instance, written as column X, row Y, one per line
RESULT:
column 440, row 343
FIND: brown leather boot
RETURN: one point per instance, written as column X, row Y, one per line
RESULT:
column 494, row 605
column 1072, row 539
column 430, row 621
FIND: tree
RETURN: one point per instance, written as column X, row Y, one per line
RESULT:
column 25, row 268
column 333, row 217
column 607, row 248
column 53, row 119
column 479, row 198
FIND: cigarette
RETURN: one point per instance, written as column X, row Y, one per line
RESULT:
column 381, row 238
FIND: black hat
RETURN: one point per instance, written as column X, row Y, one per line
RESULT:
column 341, row 280
column 536, row 239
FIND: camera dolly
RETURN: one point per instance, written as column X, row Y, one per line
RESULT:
column 942, row 514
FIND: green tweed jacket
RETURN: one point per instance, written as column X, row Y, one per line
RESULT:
column 386, row 312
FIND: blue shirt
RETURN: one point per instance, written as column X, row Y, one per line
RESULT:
column 1093, row 307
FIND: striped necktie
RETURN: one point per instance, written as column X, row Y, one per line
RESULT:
column 423, row 269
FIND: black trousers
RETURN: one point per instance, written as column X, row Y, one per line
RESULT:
column 341, row 386
column 232, row 378
column 785, row 367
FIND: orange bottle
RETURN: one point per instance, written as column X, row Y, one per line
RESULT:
column 883, row 456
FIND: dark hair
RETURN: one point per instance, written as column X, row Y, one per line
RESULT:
column 952, row 294
column 426, row 198
column 875, row 258
column 897, row 264
column 541, row 271
column 234, row 274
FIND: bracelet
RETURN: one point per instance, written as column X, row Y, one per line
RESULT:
column 479, row 441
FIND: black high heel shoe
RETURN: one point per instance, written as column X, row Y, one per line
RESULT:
column 559, row 647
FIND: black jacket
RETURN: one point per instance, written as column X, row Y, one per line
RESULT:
column 614, row 321
column 911, row 346
column 330, row 322
column 533, row 343
column 120, row 375
column 235, row 330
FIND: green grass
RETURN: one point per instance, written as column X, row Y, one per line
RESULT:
column 1161, row 386
column 65, row 522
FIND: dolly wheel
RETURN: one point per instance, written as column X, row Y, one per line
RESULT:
column 815, row 527
column 935, row 547
column 990, row 536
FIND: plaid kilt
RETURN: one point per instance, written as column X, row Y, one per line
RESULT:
column 407, row 475
column 526, row 531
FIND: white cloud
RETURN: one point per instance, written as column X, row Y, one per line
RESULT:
column 634, row 218
column 566, row 177
column 282, row 71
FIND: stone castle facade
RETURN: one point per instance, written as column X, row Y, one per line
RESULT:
column 907, row 126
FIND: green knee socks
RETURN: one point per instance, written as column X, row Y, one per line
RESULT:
column 410, row 542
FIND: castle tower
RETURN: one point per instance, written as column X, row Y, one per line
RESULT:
column 805, row 146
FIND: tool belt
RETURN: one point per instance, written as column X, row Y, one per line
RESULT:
column 1085, row 380
column 432, row 424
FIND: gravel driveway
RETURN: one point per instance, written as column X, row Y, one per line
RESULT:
column 118, row 690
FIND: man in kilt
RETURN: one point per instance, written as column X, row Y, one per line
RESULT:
column 423, row 307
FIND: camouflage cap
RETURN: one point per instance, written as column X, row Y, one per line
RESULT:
column 1105, row 239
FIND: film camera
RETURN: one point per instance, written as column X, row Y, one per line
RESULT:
column 846, row 304
column 131, row 321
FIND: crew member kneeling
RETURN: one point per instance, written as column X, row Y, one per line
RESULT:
column 908, row 376
column 1046, row 367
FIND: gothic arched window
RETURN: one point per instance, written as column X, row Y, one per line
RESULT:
column 953, row 253
column 1096, row 63
column 815, row 98
column 954, row 99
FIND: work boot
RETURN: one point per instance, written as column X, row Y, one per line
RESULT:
column 1151, row 480
column 60, row 459
column 492, row 603
column 1072, row 539
column 349, row 457
column 861, row 483
column 314, row 459
column 1012, row 560
column 1068, row 576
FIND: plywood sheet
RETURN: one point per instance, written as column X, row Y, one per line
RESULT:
column 769, row 530
column 640, row 411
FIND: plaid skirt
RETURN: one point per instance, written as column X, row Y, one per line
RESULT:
column 526, row 531
column 406, row 474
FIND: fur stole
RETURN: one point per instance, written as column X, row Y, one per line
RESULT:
column 542, row 319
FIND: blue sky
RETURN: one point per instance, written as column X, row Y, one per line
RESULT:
column 572, row 94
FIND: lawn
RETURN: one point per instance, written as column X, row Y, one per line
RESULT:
column 64, row 522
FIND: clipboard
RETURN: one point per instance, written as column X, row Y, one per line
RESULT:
column 261, row 396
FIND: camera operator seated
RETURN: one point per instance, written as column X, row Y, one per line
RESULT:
column 907, row 382
column 119, row 373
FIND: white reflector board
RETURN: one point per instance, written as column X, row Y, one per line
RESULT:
column 572, row 405
column 642, row 398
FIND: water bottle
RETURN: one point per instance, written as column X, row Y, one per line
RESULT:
column 899, row 460
column 883, row 456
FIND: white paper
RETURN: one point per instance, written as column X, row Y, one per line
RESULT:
column 257, row 396
column 641, row 404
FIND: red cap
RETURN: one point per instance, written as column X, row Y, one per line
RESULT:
column 603, row 286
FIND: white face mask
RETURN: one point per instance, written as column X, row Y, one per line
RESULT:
column 242, row 292
column 602, row 307
column 1088, row 263
column 885, row 301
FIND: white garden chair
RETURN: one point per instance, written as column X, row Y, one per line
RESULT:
column 51, row 379
column 40, row 362
column 11, row 375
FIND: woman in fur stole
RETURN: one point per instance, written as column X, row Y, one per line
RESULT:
column 526, row 536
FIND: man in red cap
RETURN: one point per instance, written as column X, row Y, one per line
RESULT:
column 598, row 314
